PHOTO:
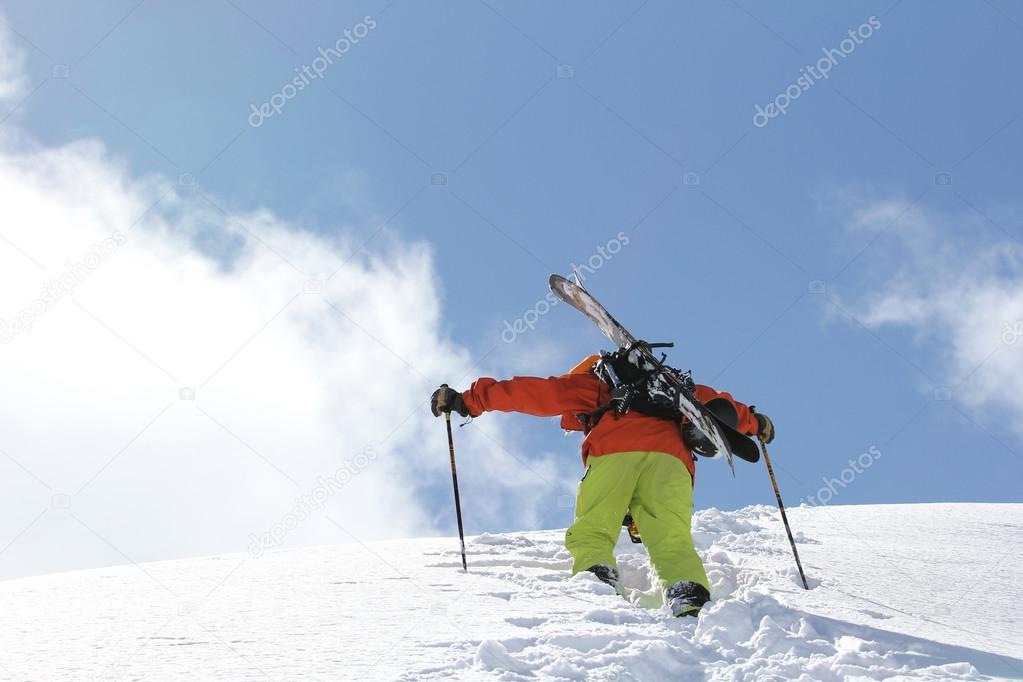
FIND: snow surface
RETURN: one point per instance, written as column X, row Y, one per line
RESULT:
column 927, row 592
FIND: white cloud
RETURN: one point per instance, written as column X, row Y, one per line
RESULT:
column 164, row 292
column 956, row 281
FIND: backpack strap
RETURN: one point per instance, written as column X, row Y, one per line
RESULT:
column 589, row 420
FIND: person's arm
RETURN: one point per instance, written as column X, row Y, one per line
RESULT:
column 748, row 423
column 533, row 395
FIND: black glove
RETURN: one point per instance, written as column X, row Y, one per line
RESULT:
column 765, row 427
column 447, row 399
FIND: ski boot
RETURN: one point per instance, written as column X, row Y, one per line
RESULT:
column 630, row 524
column 608, row 575
column 686, row 598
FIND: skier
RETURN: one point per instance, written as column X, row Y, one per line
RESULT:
column 633, row 462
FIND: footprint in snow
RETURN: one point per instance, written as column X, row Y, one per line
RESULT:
column 621, row 616
column 513, row 540
column 525, row 622
column 875, row 614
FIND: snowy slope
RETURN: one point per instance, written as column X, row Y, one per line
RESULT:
column 905, row 592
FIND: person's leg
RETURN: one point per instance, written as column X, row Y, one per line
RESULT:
column 663, row 510
column 600, row 505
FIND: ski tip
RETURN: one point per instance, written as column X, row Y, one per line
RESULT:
column 555, row 280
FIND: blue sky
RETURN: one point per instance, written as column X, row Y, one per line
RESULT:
column 840, row 267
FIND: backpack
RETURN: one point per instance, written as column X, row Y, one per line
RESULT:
column 636, row 383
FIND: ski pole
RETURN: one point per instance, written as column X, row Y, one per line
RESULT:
column 784, row 516
column 454, row 482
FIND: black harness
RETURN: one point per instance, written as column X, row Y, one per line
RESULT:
column 636, row 383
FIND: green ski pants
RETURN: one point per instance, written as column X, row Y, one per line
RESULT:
column 658, row 490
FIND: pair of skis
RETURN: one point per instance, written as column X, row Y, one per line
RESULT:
column 720, row 435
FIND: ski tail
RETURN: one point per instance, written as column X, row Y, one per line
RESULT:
column 583, row 301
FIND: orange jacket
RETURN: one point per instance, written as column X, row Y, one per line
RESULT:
column 570, row 394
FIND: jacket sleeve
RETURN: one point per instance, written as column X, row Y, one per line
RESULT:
column 533, row 395
column 747, row 422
